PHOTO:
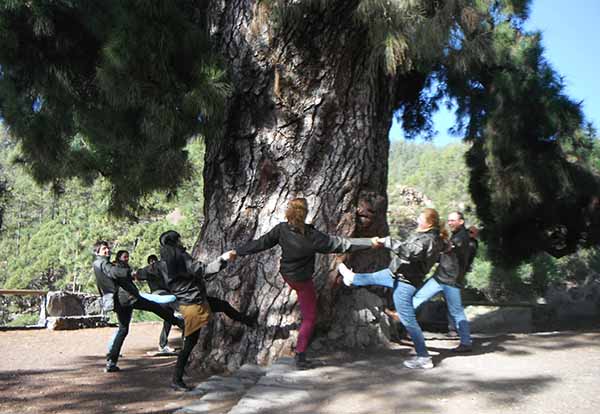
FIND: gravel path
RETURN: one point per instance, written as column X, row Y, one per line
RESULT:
column 61, row 372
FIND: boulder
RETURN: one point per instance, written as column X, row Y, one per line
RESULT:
column 63, row 304
column 65, row 323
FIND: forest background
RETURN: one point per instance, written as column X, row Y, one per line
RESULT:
column 46, row 238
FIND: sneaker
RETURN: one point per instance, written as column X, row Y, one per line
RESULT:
column 347, row 274
column 452, row 333
column 179, row 385
column 111, row 367
column 166, row 349
column 419, row 363
column 463, row 349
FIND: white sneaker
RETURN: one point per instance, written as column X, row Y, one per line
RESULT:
column 347, row 274
column 166, row 350
column 419, row 363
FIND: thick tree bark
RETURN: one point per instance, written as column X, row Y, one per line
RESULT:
column 305, row 122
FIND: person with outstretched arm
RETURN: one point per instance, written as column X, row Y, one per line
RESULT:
column 155, row 274
column 120, row 294
column 300, row 242
column 449, row 277
column 185, row 279
column 411, row 260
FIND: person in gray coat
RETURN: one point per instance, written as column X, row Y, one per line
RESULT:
column 120, row 294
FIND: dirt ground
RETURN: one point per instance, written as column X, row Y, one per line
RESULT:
column 545, row 373
column 45, row 371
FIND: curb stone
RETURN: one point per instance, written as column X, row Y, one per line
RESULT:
column 220, row 393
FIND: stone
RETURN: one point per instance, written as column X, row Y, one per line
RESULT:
column 92, row 305
column 219, row 383
column 262, row 399
column 63, row 304
column 250, row 370
column 494, row 319
column 65, row 323
column 205, row 407
column 222, row 396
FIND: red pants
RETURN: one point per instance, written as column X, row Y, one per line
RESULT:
column 307, row 299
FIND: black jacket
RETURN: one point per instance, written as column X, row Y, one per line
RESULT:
column 128, row 292
column 155, row 277
column 414, row 257
column 454, row 263
column 298, row 250
column 184, row 275
column 113, row 279
column 473, row 246
column 104, row 281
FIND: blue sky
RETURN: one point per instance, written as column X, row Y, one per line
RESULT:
column 571, row 37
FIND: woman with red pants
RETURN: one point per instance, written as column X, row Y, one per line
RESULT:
column 299, row 244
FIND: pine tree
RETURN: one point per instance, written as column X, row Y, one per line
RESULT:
column 120, row 88
column 108, row 88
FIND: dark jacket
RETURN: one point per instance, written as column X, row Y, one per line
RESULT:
column 414, row 257
column 128, row 292
column 104, row 281
column 155, row 277
column 114, row 279
column 184, row 275
column 473, row 246
column 298, row 250
column 454, row 263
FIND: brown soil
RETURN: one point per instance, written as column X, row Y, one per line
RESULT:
column 45, row 371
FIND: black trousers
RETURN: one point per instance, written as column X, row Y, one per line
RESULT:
column 188, row 344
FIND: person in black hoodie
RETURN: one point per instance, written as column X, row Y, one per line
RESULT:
column 411, row 261
column 155, row 275
column 299, row 244
column 120, row 294
column 185, row 279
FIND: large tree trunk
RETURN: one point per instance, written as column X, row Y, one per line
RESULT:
column 303, row 122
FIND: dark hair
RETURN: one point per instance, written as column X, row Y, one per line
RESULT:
column 99, row 244
column 152, row 257
column 460, row 215
column 119, row 254
column 169, row 238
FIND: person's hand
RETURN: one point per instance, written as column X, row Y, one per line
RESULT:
column 377, row 242
column 134, row 274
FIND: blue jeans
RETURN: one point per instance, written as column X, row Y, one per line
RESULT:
column 454, row 302
column 124, row 314
column 402, row 294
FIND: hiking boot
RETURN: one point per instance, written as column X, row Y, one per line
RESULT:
column 111, row 367
column 463, row 349
column 347, row 274
column 166, row 349
column 179, row 385
column 419, row 362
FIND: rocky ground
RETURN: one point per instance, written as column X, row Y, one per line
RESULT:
column 554, row 372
